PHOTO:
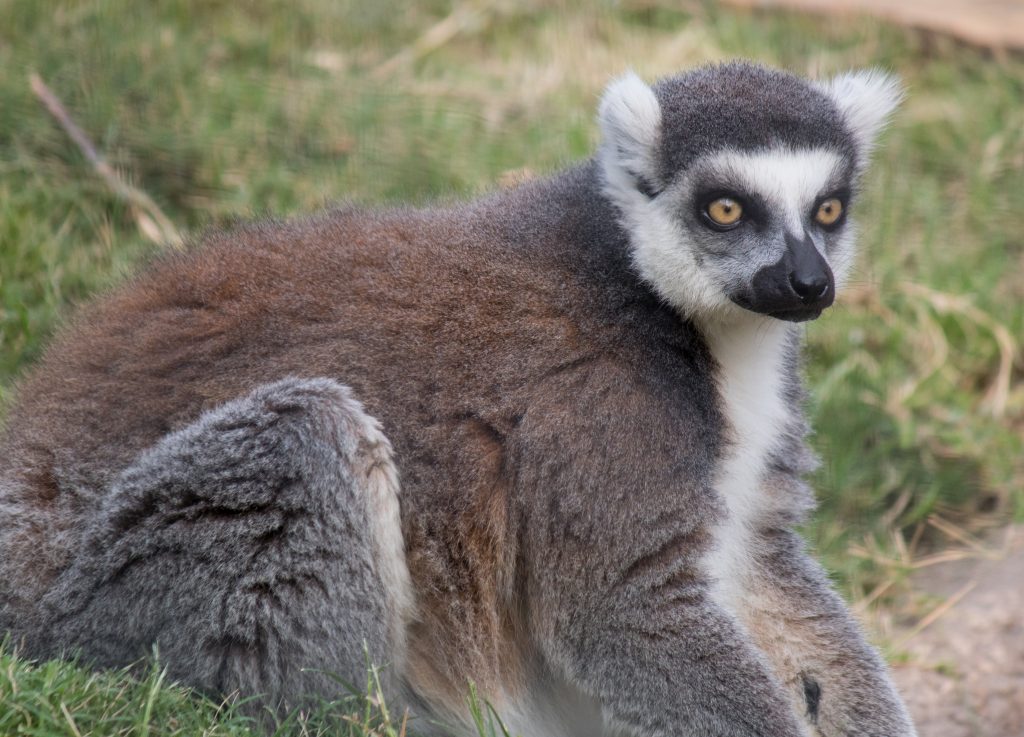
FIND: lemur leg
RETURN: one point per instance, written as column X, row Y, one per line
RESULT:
column 832, row 674
column 618, row 601
column 666, row 666
column 259, row 549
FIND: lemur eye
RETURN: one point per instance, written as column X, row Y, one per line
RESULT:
column 724, row 211
column 829, row 211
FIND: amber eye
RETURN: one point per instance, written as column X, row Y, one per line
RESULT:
column 725, row 211
column 829, row 211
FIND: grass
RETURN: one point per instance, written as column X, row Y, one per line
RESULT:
column 60, row 698
column 228, row 110
column 56, row 698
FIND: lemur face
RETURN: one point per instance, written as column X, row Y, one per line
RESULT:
column 735, row 182
column 768, row 228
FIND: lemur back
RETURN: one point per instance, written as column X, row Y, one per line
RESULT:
column 597, row 483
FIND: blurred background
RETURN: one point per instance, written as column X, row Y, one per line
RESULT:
column 223, row 110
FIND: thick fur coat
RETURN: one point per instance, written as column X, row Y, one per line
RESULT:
column 192, row 464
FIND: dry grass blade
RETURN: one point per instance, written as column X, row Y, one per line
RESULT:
column 904, row 560
column 876, row 593
column 70, row 719
column 153, row 223
column 947, row 556
column 998, row 393
column 462, row 18
column 888, row 520
column 961, row 536
column 937, row 612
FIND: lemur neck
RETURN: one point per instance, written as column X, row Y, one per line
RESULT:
column 749, row 348
column 751, row 355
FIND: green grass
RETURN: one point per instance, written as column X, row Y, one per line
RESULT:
column 56, row 699
column 59, row 698
column 226, row 110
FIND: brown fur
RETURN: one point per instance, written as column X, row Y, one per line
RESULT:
column 558, row 429
column 418, row 319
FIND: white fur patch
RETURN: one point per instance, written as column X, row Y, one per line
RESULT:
column 842, row 256
column 750, row 355
column 375, row 467
column 630, row 121
column 866, row 99
column 554, row 709
column 662, row 255
column 790, row 180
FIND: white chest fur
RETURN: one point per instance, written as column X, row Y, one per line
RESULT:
column 750, row 356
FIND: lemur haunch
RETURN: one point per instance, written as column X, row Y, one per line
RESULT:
column 550, row 441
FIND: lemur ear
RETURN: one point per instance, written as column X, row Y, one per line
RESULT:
column 630, row 120
column 866, row 99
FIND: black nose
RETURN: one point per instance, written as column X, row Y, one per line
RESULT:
column 809, row 287
column 809, row 274
column 797, row 287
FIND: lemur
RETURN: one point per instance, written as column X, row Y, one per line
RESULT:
column 549, row 441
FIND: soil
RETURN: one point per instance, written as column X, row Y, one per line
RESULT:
column 964, row 676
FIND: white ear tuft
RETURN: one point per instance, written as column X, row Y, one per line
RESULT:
column 866, row 99
column 630, row 120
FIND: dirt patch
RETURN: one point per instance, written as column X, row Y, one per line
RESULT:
column 965, row 673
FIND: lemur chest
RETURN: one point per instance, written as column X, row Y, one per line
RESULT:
column 751, row 379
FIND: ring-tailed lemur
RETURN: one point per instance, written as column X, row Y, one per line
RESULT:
column 550, row 441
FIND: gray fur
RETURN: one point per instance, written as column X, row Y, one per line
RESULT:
column 747, row 107
column 561, row 420
column 239, row 547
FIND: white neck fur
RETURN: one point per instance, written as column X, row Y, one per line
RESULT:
column 751, row 354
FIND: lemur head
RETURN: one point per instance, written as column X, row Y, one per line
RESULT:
column 734, row 183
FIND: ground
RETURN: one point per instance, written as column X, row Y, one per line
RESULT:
column 964, row 672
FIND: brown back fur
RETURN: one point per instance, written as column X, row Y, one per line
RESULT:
column 448, row 325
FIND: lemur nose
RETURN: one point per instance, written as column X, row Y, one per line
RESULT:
column 809, row 287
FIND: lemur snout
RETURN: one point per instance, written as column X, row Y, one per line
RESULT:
column 797, row 287
column 810, row 277
column 809, row 287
